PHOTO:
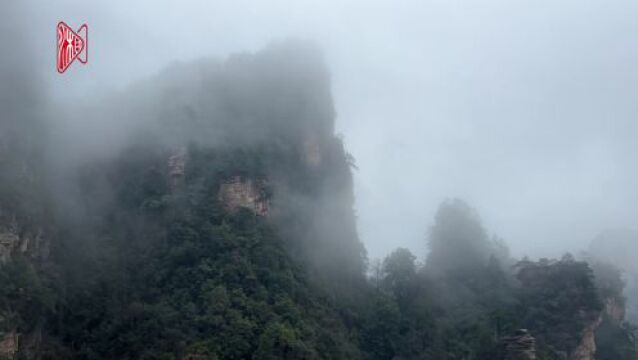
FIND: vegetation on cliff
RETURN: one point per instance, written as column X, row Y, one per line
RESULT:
column 148, row 261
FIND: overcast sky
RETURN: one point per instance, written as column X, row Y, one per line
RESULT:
column 526, row 109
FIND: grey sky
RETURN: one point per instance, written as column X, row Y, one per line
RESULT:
column 526, row 109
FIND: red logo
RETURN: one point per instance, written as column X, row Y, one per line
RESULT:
column 71, row 45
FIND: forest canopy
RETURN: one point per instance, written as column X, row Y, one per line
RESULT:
column 220, row 225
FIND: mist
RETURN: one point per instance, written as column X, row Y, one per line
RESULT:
column 370, row 179
column 523, row 109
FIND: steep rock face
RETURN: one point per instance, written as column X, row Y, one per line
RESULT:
column 239, row 192
column 312, row 152
column 586, row 349
column 278, row 104
column 177, row 165
column 565, row 325
column 614, row 310
column 9, row 241
column 12, row 242
column 620, row 248
column 521, row 346
column 9, row 344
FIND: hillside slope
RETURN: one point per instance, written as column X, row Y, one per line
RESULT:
column 207, row 213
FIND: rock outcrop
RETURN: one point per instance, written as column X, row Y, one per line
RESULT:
column 9, row 241
column 240, row 192
column 615, row 310
column 586, row 349
column 521, row 346
column 13, row 241
column 620, row 248
column 9, row 344
column 177, row 166
column 312, row 152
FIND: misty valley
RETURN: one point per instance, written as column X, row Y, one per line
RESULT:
column 220, row 225
column 214, row 210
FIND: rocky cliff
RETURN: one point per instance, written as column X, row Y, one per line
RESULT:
column 620, row 248
column 25, row 242
column 222, row 227
column 10, row 242
column 586, row 349
column 520, row 346
column 239, row 192
column 613, row 314
column 9, row 342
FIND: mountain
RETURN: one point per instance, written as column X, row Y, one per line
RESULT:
column 620, row 247
column 222, row 228
column 207, row 213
